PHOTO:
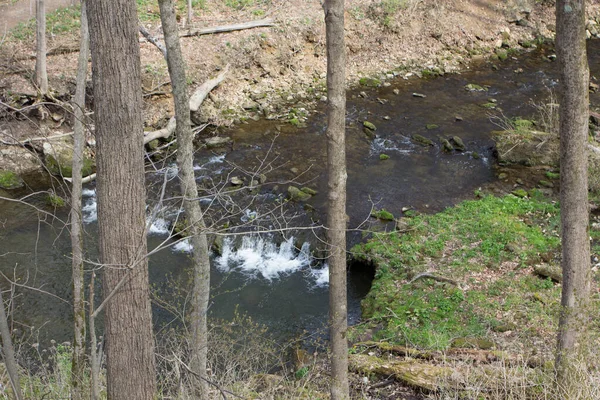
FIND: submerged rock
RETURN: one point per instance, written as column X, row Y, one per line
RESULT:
column 217, row 141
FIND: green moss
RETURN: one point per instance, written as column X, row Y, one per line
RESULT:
column 472, row 87
column 308, row 190
column 432, row 126
column 520, row 192
column 294, row 121
column 502, row 54
column 383, row 215
column 55, row 200
column 552, row 175
column 422, row 140
column 384, row 157
column 10, row 180
column 489, row 105
column 466, row 243
column 298, row 195
column 369, row 125
column 369, row 82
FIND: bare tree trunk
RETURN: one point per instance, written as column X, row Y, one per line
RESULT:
column 78, row 362
column 336, row 210
column 188, row 23
column 574, row 113
column 131, row 371
column 41, row 75
column 94, row 358
column 9, row 352
column 185, row 162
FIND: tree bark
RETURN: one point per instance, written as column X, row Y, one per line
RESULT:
column 78, row 361
column 9, row 352
column 336, row 210
column 41, row 75
column 574, row 113
column 121, row 198
column 191, row 205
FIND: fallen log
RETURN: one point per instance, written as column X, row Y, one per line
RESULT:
column 412, row 373
column 553, row 272
column 229, row 28
column 476, row 356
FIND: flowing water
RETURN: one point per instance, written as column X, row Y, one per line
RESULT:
column 277, row 276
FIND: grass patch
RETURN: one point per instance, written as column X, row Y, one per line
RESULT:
column 486, row 246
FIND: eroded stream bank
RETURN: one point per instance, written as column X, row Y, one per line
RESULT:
column 274, row 283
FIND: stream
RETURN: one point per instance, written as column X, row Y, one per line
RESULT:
column 279, row 276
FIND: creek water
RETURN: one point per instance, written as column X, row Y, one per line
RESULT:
column 278, row 278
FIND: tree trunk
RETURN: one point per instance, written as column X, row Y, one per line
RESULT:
column 188, row 22
column 191, row 205
column 336, row 210
column 78, row 362
column 9, row 352
column 41, row 75
column 121, row 198
column 574, row 112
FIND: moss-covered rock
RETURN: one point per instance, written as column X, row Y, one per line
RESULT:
column 369, row 82
column 10, row 180
column 422, row 140
column 446, row 146
column 520, row 193
column 384, row 157
column 309, row 191
column 54, row 200
column 369, row 125
column 431, row 126
column 58, row 156
column 458, row 143
column 472, row 87
column 298, row 195
column 383, row 215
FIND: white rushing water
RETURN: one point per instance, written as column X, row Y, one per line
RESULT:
column 259, row 257
column 89, row 210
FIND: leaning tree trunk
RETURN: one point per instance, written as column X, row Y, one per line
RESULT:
column 336, row 210
column 9, row 352
column 78, row 362
column 197, row 230
column 41, row 75
column 574, row 113
column 121, row 198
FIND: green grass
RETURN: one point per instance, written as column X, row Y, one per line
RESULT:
column 485, row 246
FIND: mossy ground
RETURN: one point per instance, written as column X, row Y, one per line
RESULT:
column 488, row 247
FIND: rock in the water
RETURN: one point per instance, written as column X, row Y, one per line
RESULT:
column 431, row 126
column 458, row 143
column 10, row 180
column 420, row 95
column 422, row 140
column 310, row 191
column 217, row 141
column 396, row 91
column 446, row 146
column 236, row 181
column 369, row 125
column 297, row 194
column 472, row 87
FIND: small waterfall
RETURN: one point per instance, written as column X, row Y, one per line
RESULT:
column 259, row 257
